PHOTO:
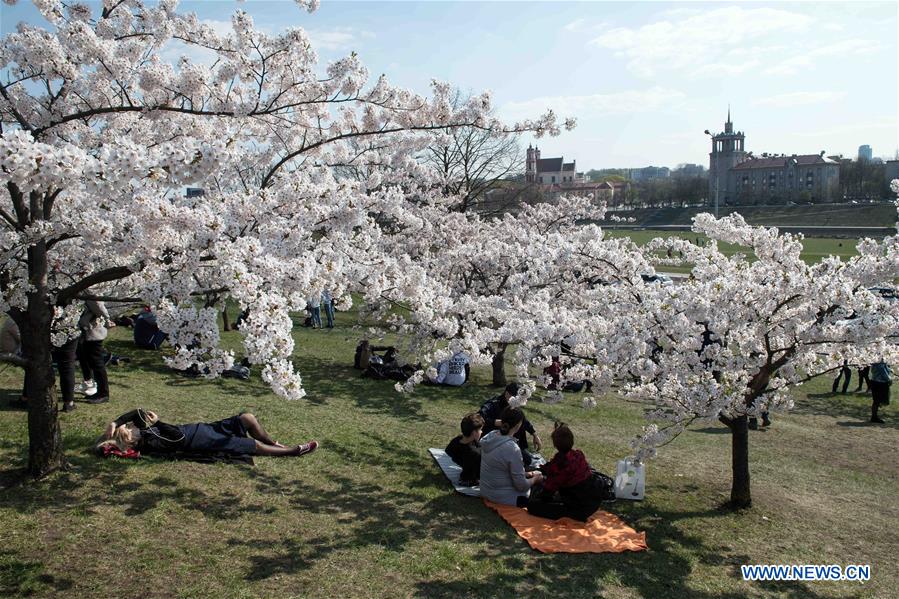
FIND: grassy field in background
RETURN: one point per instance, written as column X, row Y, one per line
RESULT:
column 370, row 515
column 814, row 248
column 882, row 214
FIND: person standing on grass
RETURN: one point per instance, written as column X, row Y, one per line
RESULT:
column 863, row 379
column 315, row 310
column 93, row 324
column 845, row 374
column 64, row 356
column 328, row 304
column 881, row 379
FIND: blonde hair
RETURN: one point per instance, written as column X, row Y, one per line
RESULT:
column 125, row 436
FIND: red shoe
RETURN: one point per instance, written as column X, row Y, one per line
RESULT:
column 307, row 448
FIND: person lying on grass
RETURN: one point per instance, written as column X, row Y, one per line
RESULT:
column 240, row 435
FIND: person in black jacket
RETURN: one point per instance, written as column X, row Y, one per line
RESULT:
column 465, row 450
column 491, row 411
column 238, row 435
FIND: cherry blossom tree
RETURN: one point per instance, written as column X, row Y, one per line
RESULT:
column 727, row 343
column 733, row 339
column 98, row 135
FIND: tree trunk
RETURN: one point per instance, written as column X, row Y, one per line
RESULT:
column 225, row 318
column 499, row 365
column 739, row 491
column 45, row 443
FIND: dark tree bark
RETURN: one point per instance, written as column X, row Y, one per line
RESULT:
column 740, row 496
column 225, row 319
column 45, row 443
column 499, row 365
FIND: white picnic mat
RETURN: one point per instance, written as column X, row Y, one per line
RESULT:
column 452, row 470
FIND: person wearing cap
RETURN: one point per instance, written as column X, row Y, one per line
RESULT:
column 491, row 411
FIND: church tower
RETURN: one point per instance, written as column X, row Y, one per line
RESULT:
column 728, row 150
column 530, row 170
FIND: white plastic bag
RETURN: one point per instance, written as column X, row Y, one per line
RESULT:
column 630, row 480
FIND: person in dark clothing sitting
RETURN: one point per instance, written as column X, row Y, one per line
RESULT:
column 568, row 487
column 491, row 411
column 142, row 430
column 465, row 450
column 146, row 332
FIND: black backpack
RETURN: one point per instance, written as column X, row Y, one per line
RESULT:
column 603, row 486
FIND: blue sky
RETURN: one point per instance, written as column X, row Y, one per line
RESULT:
column 644, row 79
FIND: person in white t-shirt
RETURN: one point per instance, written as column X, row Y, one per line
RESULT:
column 453, row 372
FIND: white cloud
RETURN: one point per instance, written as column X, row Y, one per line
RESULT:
column 690, row 41
column 855, row 130
column 806, row 58
column 799, row 99
column 222, row 28
column 337, row 39
column 624, row 102
column 575, row 25
column 173, row 50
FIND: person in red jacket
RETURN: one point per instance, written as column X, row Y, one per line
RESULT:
column 568, row 486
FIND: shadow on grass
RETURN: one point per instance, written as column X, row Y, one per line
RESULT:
column 63, row 490
column 24, row 578
column 393, row 521
column 145, row 360
column 368, row 513
column 369, row 395
column 839, row 405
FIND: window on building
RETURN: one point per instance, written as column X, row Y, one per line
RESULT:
column 541, row 179
column 553, row 179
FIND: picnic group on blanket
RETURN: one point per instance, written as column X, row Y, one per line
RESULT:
column 492, row 451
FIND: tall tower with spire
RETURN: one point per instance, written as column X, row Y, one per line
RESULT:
column 530, row 171
column 728, row 150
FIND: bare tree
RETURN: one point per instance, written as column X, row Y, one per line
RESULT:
column 475, row 164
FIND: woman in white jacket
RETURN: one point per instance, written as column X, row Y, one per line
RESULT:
column 503, row 479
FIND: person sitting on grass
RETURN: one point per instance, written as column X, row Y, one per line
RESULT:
column 453, row 372
column 491, row 411
column 465, row 450
column 146, row 331
column 240, row 435
column 503, row 479
column 569, row 489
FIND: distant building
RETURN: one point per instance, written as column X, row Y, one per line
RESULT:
column 741, row 178
column 612, row 193
column 649, row 173
column 688, row 171
column 891, row 170
column 550, row 171
column 865, row 153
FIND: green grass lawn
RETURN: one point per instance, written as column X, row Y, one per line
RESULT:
column 370, row 515
column 814, row 248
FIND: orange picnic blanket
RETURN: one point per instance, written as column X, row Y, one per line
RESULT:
column 602, row 533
